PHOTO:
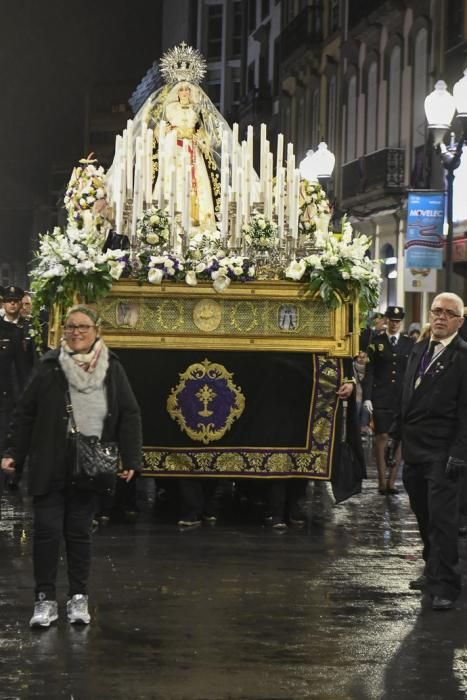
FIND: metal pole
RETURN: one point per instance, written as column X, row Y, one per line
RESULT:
column 448, row 254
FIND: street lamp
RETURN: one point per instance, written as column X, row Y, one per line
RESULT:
column 318, row 165
column 440, row 107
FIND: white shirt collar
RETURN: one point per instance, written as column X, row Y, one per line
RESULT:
column 444, row 342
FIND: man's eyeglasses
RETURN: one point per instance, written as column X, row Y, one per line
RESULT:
column 438, row 312
column 81, row 328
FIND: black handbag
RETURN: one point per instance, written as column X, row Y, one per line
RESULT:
column 94, row 463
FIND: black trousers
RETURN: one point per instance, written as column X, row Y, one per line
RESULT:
column 434, row 500
column 198, row 497
column 283, row 496
column 66, row 513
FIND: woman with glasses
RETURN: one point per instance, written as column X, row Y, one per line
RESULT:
column 103, row 405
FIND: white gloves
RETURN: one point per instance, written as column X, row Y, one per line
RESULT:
column 368, row 405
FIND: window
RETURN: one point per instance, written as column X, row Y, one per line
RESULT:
column 394, row 98
column 420, row 75
column 214, row 43
column 251, row 16
column 332, row 113
column 334, row 16
column 237, row 29
column 214, row 91
column 351, row 134
column 264, row 8
column 371, row 107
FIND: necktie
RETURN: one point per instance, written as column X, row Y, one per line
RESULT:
column 393, row 340
column 431, row 348
column 425, row 361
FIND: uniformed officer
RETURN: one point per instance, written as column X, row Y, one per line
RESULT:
column 13, row 304
column 382, row 387
column 12, row 372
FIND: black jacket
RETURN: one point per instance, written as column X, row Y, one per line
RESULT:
column 384, row 373
column 39, row 424
column 12, row 360
column 432, row 423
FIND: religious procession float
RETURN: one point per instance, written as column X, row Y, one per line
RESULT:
column 229, row 301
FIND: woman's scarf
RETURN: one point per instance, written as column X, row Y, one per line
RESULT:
column 84, row 371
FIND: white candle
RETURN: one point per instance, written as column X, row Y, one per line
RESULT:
column 148, row 163
column 280, row 201
column 234, row 157
column 186, row 207
column 224, row 209
column 237, row 232
column 268, row 188
column 295, row 194
column 262, row 161
column 116, row 169
column 129, row 158
column 280, row 151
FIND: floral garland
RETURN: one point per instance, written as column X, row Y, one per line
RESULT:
column 313, row 206
column 340, row 269
column 85, row 196
column 260, row 233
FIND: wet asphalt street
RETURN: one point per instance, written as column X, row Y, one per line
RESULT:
column 236, row 611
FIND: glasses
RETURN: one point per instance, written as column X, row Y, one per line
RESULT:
column 82, row 328
column 438, row 312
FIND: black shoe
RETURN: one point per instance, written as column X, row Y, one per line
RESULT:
column 442, row 603
column 391, row 490
column 418, row 584
column 382, row 492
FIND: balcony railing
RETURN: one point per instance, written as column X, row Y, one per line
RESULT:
column 380, row 172
column 306, row 29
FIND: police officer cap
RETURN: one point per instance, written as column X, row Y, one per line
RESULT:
column 12, row 293
column 395, row 313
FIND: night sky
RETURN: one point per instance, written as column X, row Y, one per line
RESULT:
column 51, row 52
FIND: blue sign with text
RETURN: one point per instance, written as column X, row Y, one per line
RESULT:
column 425, row 219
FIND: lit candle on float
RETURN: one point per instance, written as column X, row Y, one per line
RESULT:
column 186, row 190
column 114, row 190
column 159, row 188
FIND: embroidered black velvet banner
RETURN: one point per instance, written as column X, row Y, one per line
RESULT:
column 219, row 413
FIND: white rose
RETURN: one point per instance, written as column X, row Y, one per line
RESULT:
column 251, row 271
column 296, row 270
column 152, row 238
column 155, row 275
column 154, row 219
column 190, row 278
column 200, row 267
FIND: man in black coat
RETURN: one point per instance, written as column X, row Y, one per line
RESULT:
column 432, row 426
column 382, row 388
column 12, row 375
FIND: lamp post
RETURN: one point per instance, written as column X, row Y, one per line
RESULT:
column 440, row 107
column 318, row 165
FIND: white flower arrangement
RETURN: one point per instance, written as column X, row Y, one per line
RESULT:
column 260, row 233
column 153, row 228
column 340, row 269
column 72, row 263
column 85, row 196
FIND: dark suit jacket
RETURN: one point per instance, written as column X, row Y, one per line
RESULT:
column 384, row 373
column 432, row 422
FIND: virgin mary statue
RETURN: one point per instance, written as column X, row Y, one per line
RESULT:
column 188, row 132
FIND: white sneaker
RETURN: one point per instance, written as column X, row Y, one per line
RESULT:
column 45, row 612
column 77, row 609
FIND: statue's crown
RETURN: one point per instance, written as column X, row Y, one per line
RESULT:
column 183, row 62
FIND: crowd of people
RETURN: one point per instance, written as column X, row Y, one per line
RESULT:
column 411, row 399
